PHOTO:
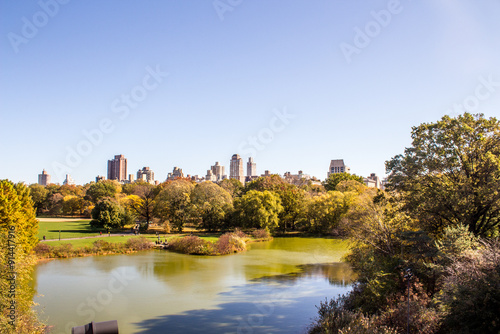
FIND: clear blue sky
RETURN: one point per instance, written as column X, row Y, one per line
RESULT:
column 71, row 67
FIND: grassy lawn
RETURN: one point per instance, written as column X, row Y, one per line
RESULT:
column 69, row 229
column 77, row 243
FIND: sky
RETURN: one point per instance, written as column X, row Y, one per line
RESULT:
column 186, row 83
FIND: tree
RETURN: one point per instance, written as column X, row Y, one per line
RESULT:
column 451, row 174
column 232, row 186
column 335, row 178
column 39, row 195
column 142, row 201
column 211, row 205
column 292, row 198
column 259, row 209
column 324, row 212
column 18, row 236
column 107, row 214
column 173, row 202
column 101, row 189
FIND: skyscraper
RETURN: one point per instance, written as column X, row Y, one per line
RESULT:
column 218, row 171
column 251, row 168
column 338, row 166
column 44, row 178
column 68, row 181
column 117, row 168
column 146, row 175
column 236, row 168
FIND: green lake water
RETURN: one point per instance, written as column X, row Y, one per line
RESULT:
column 272, row 288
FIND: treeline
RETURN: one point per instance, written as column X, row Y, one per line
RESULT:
column 266, row 203
column 426, row 251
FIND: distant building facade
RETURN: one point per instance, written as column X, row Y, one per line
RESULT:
column 44, row 178
column 218, row 171
column 99, row 178
column 338, row 166
column 297, row 179
column 373, row 181
column 251, row 169
column 68, row 181
column 236, row 168
column 117, row 168
column 176, row 173
column 146, row 174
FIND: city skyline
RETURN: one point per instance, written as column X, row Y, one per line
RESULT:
column 216, row 173
column 292, row 84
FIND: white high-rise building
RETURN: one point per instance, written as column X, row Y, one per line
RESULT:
column 236, row 168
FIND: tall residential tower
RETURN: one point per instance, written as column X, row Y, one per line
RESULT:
column 236, row 168
column 117, row 168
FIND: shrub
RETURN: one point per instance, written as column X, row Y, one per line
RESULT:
column 42, row 249
column 335, row 318
column 230, row 243
column 191, row 245
column 471, row 292
column 262, row 234
column 240, row 233
column 137, row 244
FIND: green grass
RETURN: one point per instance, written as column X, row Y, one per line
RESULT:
column 77, row 243
column 71, row 229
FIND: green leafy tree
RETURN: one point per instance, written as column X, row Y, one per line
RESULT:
column 324, row 212
column 107, row 214
column 451, row 174
column 39, row 195
column 211, row 205
column 174, row 202
column 259, row 209
column 18, row 236
column 292, row 198
column 99, row 190
column 335, row 178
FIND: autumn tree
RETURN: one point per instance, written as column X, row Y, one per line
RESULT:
column 451, row 174
column 142, row 201
column 232, row 186
column 335, row 178
column 18, row 236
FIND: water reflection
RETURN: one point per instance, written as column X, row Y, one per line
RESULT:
column 273, row 287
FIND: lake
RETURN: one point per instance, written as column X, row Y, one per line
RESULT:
column 271, row 288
